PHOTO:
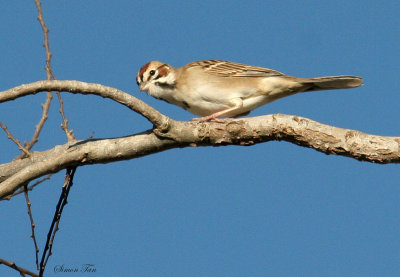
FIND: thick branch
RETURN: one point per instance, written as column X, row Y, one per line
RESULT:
column 248, row 131
column 77, row 154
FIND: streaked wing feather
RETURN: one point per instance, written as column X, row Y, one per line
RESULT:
column 231, row 69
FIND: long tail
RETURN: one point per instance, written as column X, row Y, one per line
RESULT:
column 331, row 82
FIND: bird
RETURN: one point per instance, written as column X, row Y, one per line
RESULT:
column 213, row 89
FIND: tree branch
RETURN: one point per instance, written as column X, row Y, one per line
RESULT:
column 247, row 131
column 77, row 154
column 119, row 96
column 47, row 252
column 49, row 72
column 21, row 270
column 39, row 126
column 16, row 141
column 33, row 225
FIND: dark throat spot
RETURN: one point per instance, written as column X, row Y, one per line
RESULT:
column 165, row 85
column 185, row 105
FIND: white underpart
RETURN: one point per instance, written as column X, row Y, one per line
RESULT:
column 239, row 99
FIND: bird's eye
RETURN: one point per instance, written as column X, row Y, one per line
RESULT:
column 152, row 72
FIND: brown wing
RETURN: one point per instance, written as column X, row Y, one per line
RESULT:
column 231, row 69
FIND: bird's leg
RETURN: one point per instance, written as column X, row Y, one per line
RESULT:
column 237, row 104
column 210, row 118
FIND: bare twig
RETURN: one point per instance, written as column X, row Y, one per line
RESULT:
column 49, row 71
column 22, row 271
column 16, row 141
column 28, row 188
column 64, row 125
column 50, row 75
column 39, row 126
column 28, row 203
column 56, row 219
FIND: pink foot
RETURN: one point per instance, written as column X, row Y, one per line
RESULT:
column 210, row 118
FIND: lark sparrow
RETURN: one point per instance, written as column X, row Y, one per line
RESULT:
column 214, row 88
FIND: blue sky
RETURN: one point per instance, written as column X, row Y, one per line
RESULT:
column 273, row 209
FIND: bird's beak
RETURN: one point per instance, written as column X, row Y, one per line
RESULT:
column 142, row 87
